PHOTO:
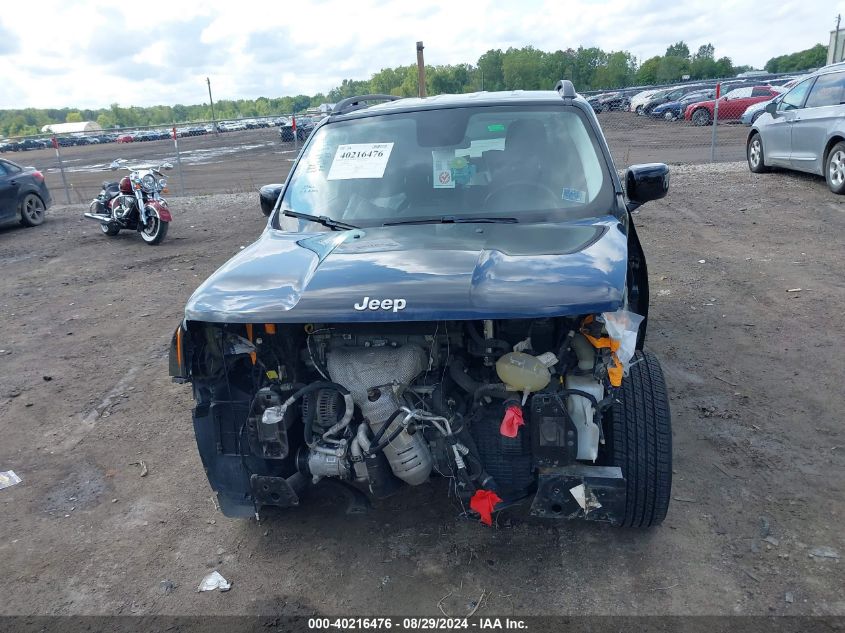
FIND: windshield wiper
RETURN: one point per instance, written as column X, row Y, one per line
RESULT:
column 451, row 219
column 319, row 219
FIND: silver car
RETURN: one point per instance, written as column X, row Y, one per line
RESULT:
column 804, row 129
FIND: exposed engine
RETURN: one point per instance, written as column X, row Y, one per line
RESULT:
column 488, row 404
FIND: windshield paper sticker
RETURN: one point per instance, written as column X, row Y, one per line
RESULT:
column 360, row 160
column 574, row 195
column 442, row 175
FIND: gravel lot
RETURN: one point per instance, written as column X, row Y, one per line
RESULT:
column 755, row 374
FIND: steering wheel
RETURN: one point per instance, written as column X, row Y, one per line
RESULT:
column 518, row 191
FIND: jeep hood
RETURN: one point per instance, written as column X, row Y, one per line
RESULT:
column 420, row 272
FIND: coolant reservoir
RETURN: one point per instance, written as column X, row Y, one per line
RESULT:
column 523, row 372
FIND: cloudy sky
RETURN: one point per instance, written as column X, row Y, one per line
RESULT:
column 90, row 53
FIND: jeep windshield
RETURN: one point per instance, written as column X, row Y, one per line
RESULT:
column 520, row 163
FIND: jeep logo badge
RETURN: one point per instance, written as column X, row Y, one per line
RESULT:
column 380, row 304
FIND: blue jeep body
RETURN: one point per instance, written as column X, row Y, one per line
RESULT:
column 300, row 346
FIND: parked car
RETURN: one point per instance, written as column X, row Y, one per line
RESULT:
column 367, row 337
column 125, row 138
column 26, row 144
column 231, row 126
column 616, row 101
column 731, row 106
column 24, row 195
column 304, row 126
column 754, row 111
column 641, row 98
column 674, row 110
column 804, row 129
column 666, row 96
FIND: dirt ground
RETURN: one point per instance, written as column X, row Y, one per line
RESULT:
column 755, row 374
column 244, row 161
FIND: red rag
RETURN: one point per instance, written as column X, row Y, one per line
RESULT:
column 512, row 421
column 483, row 502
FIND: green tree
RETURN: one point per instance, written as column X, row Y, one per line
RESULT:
column 678, row 49
column 73, row 117
column 647, row 73
column 724, row 67
column 672, row 68
column 802, row 60
column 491, row 69
column 523, row 69
column 618, row 71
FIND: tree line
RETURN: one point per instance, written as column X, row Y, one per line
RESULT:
column 525, row 68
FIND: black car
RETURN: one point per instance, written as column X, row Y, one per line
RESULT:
column 26, row 145
column 23, row 194
column 666, row 96
column 304, row 126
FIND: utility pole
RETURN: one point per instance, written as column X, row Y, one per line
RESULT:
column 420, row 69
column 213, row 120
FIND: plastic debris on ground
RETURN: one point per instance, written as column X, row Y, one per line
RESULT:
column 824, row 552
column 8, row 478
column 214, row 581
column 483, row 502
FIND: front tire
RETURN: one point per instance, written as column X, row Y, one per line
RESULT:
column 834, row 168
column 155, row 231
column 754, row 154
column 701, row 117
column 32, row 210
column 669, row 115
column 640, row 442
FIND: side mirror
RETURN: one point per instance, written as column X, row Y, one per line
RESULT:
column 115, row 165
column 644, row 183
column 167, row 165
column 772, row 107
column 267, row 197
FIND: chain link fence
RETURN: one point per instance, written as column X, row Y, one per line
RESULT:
column 223, row 157
column 244, row 154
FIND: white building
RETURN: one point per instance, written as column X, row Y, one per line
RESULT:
column 836, row 47
column 72, row 128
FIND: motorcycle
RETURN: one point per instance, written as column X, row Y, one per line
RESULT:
column 134, row 203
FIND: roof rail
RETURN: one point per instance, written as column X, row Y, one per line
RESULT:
column 565, row 89
column 355, row 103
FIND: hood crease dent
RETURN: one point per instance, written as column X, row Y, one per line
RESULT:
column 439, row 271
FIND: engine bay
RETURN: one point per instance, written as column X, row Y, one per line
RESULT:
column 490, row 405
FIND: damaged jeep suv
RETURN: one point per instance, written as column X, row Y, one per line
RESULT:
column 447, row 287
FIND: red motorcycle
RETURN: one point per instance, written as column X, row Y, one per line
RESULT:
column 134, row 203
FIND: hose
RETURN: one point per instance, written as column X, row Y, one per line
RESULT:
column 461, row 378
column 491, row 343
column 390, row 420
column 493, row 390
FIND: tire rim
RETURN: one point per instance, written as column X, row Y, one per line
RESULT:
column 754, row 151
column 668, row 115
column 700, row 117
column 151, row 229
column 33, row 208
column 837, row 168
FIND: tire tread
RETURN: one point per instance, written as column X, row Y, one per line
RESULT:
column 641, row 442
